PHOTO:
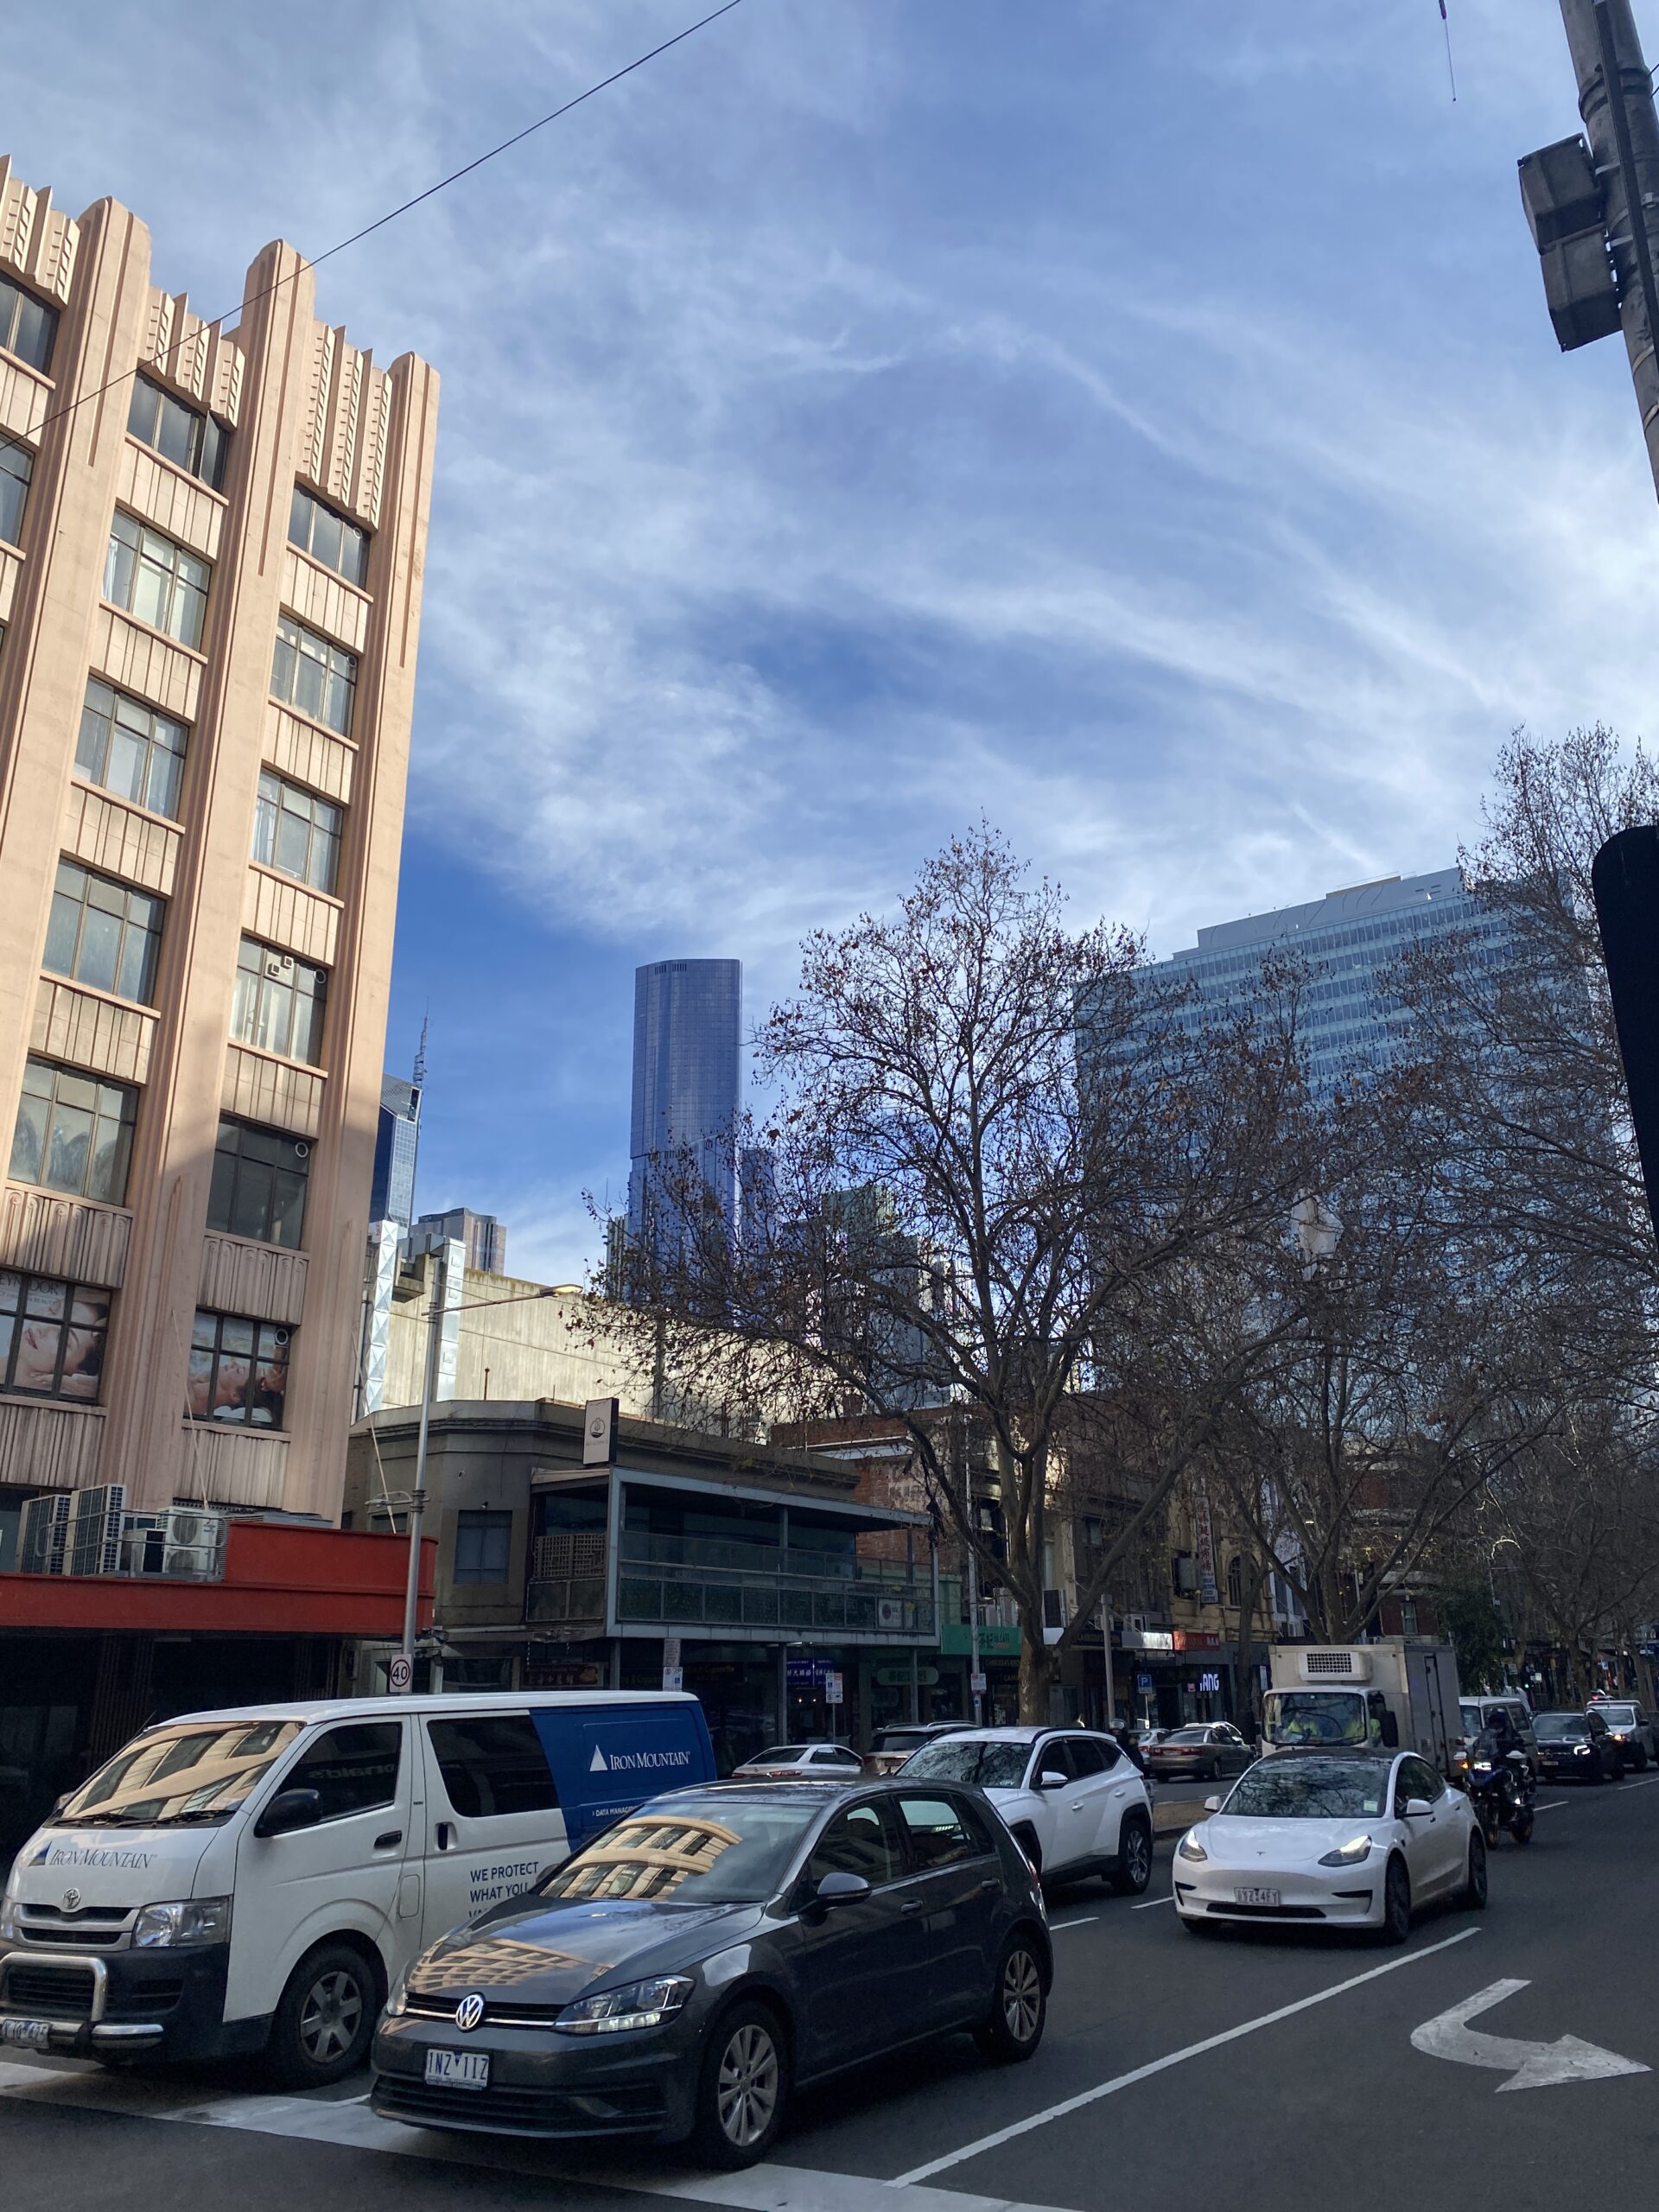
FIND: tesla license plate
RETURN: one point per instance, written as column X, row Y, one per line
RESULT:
column 27, row 2035
column 458, row 2069
column 1256, row 1896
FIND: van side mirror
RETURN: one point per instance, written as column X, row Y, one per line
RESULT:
column 1391, row 1732
column 289, row 1809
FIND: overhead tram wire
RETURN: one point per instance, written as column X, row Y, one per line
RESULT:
column 380, row 222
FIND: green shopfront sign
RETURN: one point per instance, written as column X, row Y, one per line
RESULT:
column 994, row 1643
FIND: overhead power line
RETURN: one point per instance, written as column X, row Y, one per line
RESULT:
column 391, row 215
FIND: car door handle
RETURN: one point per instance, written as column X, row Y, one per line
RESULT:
column 989, row 1886
column 911, row 1904
column 444, row 1834
column 384, row 1842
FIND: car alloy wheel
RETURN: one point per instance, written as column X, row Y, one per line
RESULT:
column 331, row 2016
column 1474, row 1888
column 1396, row 1903
column 1013, row 2027
column 1134, row 1859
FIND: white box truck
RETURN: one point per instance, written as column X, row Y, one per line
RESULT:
column 1398, row 1693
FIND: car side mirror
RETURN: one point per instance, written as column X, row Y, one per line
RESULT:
column 1417, row 1808
column 1049, row 1780
column 1212, row 1804
column 289, row 1809
column 59, row 1803
column 838, row 1888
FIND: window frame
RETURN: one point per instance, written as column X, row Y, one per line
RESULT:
column 249, row 1032
column 298, row 646
column 125, row 1121
column 550, row 1801
column 893, row 1837
column 256, row 1358
column 294, row 1777
column 13, row 1319
column 274, row 1172
column 209, row 440
column 271, row 806
column 350, row 533
column 133, row 894
column 975, row 1841
column 11, row 532
column 188, row 592
column 155, row 747
column 15, row 299
column 472, row 1521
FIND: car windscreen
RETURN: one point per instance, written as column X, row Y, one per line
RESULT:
column 1312, row 1789
column 966, row 1758
column 1561, row 1728
column 1469, row 1717
column 1617, row 1716
column 177, row 1774
column 898, row 1739
column 698, row 1850
column 1317, row 1717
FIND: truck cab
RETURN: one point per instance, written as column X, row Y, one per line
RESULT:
column 1399, row 1693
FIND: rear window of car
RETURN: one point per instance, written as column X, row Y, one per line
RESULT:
column 1188, row 1736
column 779, row 1755
column 1617, row 1716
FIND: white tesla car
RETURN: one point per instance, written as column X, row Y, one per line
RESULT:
column 1339, row 1839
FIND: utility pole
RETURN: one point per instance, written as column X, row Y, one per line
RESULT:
column 1594, row 209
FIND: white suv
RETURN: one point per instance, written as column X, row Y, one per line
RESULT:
column 1073, row 1799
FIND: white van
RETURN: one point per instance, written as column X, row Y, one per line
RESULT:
column 254, row 1880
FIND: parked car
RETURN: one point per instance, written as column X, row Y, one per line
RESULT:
column 825, row 1762
column 1203, row 1752
column 891, row 1747
column 1635, row 1732
column 1474, row 1713
column 1578, row 1746
column 1356, row 1839
column 689, row 1969
column 1076, row 1805
column 251, row 1881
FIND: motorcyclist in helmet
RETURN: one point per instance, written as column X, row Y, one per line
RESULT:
column 1497, row 1737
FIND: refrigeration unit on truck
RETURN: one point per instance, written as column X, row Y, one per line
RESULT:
column 1399, row 1693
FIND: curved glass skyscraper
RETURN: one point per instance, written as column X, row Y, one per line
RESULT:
column 688, row 1044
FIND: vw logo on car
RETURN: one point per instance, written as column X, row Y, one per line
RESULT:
column 469, row 2011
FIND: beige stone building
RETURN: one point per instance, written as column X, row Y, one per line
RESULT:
column 211, row 543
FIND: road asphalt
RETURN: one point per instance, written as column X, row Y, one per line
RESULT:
column 1257, row 2072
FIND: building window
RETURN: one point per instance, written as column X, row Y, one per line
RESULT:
column 51, row 1337
column 483, row 1546
column 104, row 935
column 296, row 834
column 313, row 676
column 279, row 1003
column 27, row 326
column 73, row 1133
column 155, row 580
column 238, row 1369
column 328, row 538
column 258, row 1186
column 1236, row 1581
column 17, row 467
column 192, row 442
column 131, row 750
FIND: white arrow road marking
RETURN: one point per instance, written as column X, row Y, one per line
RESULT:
column 1530, row 2065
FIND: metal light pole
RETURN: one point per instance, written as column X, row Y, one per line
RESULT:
column 1587, row 207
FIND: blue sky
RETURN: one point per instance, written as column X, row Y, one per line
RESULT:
column 1135, row 420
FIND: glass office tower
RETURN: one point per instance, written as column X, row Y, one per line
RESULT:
column 1348, row 942
column 688, row 1044
column 396, row 1145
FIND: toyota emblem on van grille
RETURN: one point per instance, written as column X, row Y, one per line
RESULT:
column 71, row 1900
column 469, row 2011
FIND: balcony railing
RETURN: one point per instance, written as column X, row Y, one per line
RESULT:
column 686, row 1582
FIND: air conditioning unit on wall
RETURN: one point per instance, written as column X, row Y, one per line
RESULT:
column 890, row 1613
column 279, row 964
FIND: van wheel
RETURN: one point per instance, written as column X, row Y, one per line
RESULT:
column 321, row 2028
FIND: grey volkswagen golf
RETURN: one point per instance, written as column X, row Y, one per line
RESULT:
column 687, row 1970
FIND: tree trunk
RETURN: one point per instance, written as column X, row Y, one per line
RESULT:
column 1039, row 1669
column 1252, row 1580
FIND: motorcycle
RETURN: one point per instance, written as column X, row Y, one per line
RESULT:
column 1501, row 1793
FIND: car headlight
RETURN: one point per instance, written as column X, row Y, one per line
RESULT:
column 397, row 1995
column 1190, row 1847
column 11, row 1923
column 1580, row 1751
column 1349, row 1853
column 188, row 1920
column 640, row 2005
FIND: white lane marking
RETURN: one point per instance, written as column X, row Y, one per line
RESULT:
column 1002, row 2135
column 1088, row 1921
column 763, row 2189
column 1551, row 1805
column 1646, row 1782
column 1529, row 2065
column 1146, row 1904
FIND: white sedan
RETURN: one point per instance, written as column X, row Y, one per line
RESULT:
column 1337, row 1839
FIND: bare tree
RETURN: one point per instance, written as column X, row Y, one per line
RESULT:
column 1008, row 1177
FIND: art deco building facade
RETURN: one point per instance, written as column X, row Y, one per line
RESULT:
column 211, row 544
